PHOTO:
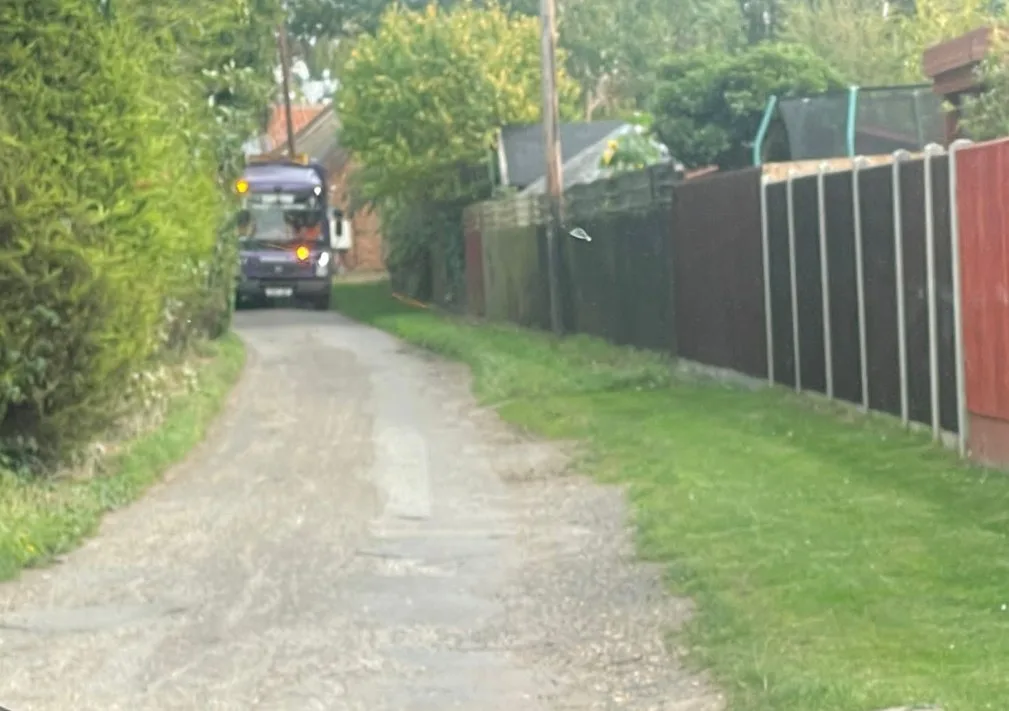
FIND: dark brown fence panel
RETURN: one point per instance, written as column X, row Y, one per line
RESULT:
column 913, row 216
column 838, row 199
column 475, row 303
column 593, row 279
column 879, row 269
column 912, row 201
column 616, row 282
column 718, row 289
column 944, row 293
column 781, row 294
column 648, row 306
column 813, row 369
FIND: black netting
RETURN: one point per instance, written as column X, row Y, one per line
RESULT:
column 890, row 119
column 886, row 119
column 816, row 125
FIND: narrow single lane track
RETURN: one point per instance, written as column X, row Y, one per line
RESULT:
column 354, row 536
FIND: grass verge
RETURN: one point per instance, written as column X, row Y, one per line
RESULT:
column 839, row 563
column 40, row 519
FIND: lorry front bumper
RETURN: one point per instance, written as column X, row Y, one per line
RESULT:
column 249, row 289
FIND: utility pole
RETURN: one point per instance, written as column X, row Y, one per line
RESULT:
column 285, row 75
column 552, row 146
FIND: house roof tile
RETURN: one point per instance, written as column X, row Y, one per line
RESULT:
column 301, row 116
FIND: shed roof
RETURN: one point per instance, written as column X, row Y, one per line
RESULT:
column 525, row 147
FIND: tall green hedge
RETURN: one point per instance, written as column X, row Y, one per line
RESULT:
column 112, row 215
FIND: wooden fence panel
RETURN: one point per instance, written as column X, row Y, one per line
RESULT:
column 514, row 263
column 475, row 297
column 982, row 176
column 879, row 263
column 912, row 193
column 617, row 282
column 880, row 270
column 809, row 284
column 945, row 321
column 717, row 261
column 842, row 285
column 781, row 295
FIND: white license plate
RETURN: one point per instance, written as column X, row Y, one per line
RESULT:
column 278, row 293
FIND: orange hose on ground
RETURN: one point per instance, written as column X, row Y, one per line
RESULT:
column 408, row 301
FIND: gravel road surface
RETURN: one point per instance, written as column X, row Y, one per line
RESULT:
column 355, row 535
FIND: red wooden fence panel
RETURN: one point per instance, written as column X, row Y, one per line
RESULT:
column 982, row 175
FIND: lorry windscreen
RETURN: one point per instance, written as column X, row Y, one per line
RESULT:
column 281, row 217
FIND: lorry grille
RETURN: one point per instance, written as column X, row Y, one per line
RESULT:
column 260, row 270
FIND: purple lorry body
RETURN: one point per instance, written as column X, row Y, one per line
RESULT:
column 268, row 177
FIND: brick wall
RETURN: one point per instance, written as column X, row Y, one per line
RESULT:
column 367, row 253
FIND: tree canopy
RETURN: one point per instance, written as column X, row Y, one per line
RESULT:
column 986, row 117
column 613, row 49
column 841, row 31
column 344, row 19
column 871, row 43
column 118, row 124
column 422, row 98
column 708, row 105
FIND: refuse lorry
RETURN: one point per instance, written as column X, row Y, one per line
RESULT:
column 287, row 233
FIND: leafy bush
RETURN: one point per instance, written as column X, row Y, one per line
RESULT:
column 111, row 216
column 421, row 100
column 985, row 116
column 420, row 104
column 634, row 150
column 708, row 105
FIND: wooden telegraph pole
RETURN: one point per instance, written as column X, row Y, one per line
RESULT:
column 285, row 75
column 552, row 144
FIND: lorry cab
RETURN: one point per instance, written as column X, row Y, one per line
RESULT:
column 287, row 233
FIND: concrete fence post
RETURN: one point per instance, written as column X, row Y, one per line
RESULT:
column 828, row 349
column 900, row 157
column 962, row 420
column 765, row 244
column 932, row 150
column 863, row 348
column 793, row 279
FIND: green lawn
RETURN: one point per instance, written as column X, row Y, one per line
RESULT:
column 40, row 519
column 839, row 562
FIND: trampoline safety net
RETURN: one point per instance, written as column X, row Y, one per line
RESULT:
column 886, row 119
